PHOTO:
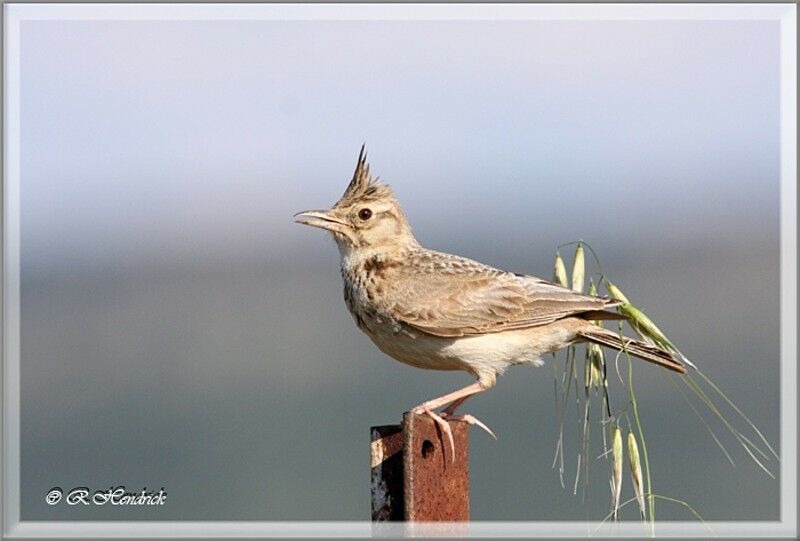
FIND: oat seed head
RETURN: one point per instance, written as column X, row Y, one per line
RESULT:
column 560, row 271
column 616, row 293
column 636, row 471
column 639, row 320
column 616, row 471
column 578, row 269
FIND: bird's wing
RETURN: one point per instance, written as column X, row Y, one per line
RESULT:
column 450, row 296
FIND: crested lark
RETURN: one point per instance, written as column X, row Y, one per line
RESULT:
column 444, row 312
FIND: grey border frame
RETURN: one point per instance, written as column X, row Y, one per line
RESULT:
column 14, row 13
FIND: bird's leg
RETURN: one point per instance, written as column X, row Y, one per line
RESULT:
column 451, row 409
column 455, row 399
column 467, row 391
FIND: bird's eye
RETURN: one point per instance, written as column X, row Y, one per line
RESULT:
column 365, row 214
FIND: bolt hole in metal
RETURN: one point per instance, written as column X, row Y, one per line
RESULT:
column 427, row 449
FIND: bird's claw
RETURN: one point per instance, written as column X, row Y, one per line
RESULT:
column 443, row 425
column 469, row 419
column 439, row 419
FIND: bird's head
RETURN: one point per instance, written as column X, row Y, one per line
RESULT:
column 367, row 220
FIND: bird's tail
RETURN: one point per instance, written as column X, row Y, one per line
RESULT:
column 648, row 352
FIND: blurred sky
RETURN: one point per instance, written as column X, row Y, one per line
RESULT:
column 179, row 330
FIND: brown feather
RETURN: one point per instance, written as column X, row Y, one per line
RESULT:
column 447, row 295
column 602, row 315
column 648, row 352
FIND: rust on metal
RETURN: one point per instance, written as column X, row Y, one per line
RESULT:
column 386, row 458
column 413, row 475
column 436, row 487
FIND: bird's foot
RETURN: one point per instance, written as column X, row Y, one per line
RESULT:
column 443, row 425
column 467, row 418
column 439, row 419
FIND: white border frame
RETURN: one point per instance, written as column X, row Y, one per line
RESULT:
column 14, row 14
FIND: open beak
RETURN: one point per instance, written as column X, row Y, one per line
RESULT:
column 321, row 219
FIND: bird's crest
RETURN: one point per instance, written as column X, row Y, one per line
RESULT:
column 363, row 186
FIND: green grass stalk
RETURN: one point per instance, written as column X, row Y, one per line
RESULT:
column 651, row 504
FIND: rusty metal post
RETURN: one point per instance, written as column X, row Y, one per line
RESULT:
column 386, row 480
column 414, row 478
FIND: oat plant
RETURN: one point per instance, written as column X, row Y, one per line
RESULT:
column 612, row 422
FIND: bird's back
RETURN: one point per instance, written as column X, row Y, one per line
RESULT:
column 449, row 296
